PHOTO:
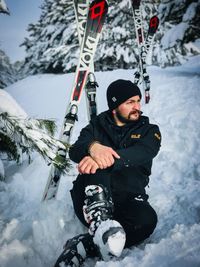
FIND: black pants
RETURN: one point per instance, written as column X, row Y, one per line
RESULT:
column 137, row 217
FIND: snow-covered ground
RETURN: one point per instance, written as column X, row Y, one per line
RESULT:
column 33, row 233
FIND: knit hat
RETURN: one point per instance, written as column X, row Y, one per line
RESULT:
column 119, row 91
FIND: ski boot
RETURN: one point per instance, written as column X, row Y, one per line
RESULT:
column 108, row 234
column 76, row 250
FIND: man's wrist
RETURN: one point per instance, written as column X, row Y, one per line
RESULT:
column 91, row 145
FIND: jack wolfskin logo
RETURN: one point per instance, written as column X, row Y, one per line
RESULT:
column 157, row 136
column 136, row 136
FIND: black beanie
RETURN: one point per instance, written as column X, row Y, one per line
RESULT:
column 119, row 91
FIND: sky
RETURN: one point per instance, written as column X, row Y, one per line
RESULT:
column 13, row 28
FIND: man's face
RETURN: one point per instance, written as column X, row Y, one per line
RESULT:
column 129, row 110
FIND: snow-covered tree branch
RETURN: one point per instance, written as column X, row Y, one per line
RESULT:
column 3, row 8
column 22, row 135
column 25, row 135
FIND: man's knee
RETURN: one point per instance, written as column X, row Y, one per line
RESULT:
column 139, row 221
column 149, row 217
column 150, row 223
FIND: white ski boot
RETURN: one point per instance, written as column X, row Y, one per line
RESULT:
column 107, row 233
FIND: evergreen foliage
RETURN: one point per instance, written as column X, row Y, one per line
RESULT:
column 53, row 43
column 53, row 47
column 11, row 72
column 19, row 136
column 7, row 71
column 178, row 31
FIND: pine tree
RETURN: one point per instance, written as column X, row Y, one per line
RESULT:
column 116, row 47
column 177, row 31
column 53, row 43
column 8, row 73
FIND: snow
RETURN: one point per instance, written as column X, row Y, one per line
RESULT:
column 190, row 13
column 193, row 46
column 8, row 104
column 177, row 32
column 33, row 233
column 114, row 244
column 173, row 35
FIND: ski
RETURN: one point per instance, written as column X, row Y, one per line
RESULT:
column 153, row 26
column 143, row 46
column 95, row 20
column 81, row 10
column 90, row 89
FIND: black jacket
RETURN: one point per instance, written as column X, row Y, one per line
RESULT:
column 137, row 143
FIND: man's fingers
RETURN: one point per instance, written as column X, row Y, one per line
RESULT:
column 100, row 151
column 114, row 153
column 83, row 161
column 103, row 163
column 111, row 160
column 83, row 164
column 99, row 163
column 103, row 159
column 87, row 165
column 85, row 169
column 93, row 169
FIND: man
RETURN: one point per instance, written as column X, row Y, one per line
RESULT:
column 114, row 155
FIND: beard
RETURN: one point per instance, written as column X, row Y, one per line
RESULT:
column 123, row 119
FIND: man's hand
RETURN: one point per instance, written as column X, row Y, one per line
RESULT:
column 87, row 166
column 104, row 156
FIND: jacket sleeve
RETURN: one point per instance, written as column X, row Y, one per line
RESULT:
column 80, row 148
column 141, row 152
